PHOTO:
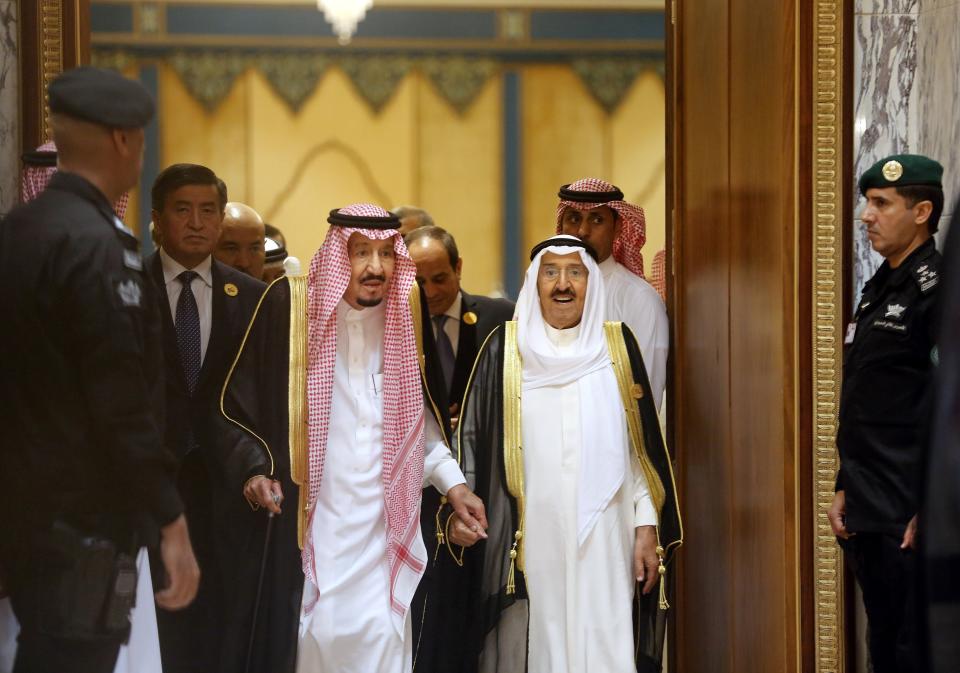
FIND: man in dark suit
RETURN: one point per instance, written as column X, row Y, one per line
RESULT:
column 205, row 308
column 461, row 323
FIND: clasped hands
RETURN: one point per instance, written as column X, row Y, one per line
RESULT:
column 469, row 526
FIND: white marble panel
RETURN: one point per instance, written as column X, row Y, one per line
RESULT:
column 9, row 106
column 885, row 64
column 888, row 6
column 938, row 77
column 930, row 5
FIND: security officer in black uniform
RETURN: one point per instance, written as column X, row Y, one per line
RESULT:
column 86, row 478
column 884, row 402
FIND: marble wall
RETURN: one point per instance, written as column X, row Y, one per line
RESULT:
column 9, row 106
column 906, row 94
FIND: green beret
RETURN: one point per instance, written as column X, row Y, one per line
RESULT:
column 902, row 170
column 104, row 97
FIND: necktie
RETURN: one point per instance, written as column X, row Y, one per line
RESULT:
column 445, row 350
column 187, row 323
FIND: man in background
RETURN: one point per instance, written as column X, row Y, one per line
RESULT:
column 461, row 323
column 205, row 307
column 594, row 211
column 241, row 240
column 412, row 217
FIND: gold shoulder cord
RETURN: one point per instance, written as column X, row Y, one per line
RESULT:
column 512, row 449
column 630, row 391
column 297, row 407
column 233, row 366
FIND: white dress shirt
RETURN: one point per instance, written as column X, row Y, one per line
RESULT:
column 452, row 325
column 632, row 300
column 202, row 288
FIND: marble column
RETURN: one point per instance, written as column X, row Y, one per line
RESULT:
column 9, row 106
column 906, row 93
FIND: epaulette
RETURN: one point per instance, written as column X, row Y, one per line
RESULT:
column 927, row 276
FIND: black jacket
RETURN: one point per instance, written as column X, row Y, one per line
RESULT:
column 884, row 402
column 489, row 314
column 231, row 315
column 80, row 378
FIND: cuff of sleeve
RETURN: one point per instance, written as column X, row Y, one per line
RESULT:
column 446, row 475
column 167, row 505
column 644, row 512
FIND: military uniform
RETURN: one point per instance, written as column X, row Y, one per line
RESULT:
column 86, row 479
column 884, row 409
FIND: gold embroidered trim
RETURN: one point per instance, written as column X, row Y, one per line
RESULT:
column 233, row 366
column 617, row 348
column 512, row 449
column 297, row 408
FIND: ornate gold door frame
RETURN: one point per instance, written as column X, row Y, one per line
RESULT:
column 54, row 36
column 830, row 168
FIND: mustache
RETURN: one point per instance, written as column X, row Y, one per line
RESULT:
column 373, row 276
column 562, row 293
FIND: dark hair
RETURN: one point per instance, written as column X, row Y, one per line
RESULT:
column 176, row 176
column 914, row 194
column 437, row 234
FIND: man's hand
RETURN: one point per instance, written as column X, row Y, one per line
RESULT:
column 180, row 564
column 646, row 563
column 460, row 534
column 470, row 513
column 837, row 514
column 910, row 535
column 265, row 492
column 454, row 416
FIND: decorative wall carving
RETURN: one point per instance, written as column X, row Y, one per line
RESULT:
column 609, row 79
column 829, row 168
column 209, row 74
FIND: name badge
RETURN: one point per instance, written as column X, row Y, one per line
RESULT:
column 851, row 332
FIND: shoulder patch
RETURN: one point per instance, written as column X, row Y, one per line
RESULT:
column 129, row 292
column 927, row 277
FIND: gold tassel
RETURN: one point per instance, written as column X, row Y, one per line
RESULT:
column 441, row 540
column 662, row 570
column 511, row 578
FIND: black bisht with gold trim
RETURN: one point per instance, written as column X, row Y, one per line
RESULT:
column 262, row 430
column 496, row 636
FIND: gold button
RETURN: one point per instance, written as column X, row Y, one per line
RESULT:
column 231, row 290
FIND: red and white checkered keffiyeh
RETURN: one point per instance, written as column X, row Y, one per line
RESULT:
column 658, row 276
column 36, row 178
column 403, row 421
column 633, row 232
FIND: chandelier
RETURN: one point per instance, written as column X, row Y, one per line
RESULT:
column 344, row 15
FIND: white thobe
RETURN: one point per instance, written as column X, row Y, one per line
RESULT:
column 632, row 300
column 351, row 628
column 580, row 595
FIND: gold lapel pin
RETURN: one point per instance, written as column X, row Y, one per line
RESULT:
column 231, row 290
column 470, row 318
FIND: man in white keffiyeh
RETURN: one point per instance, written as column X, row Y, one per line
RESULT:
column 569, row 459
column 368, row 443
